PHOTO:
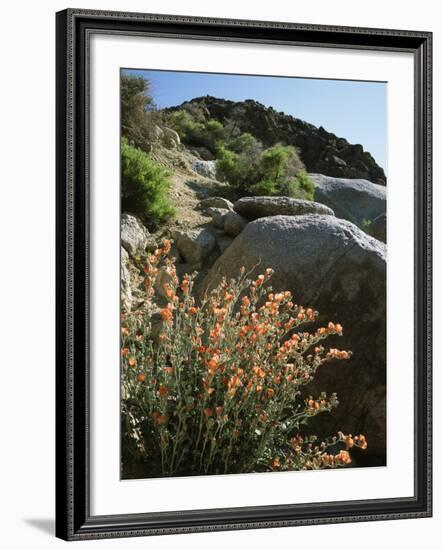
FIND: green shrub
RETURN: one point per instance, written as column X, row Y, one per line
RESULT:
column 301, row 187
column 277, row 170
column 144, row 185
column 195, row 130
column 274, row 163
column 244, row 143
column 239, row 170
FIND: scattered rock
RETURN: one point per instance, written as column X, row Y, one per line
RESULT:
column 158, row 133
column 355, row 200
column 135, row 238
column 205, row 168
column 216, row 202
column 170, row 138
column 331, row 265
column 261, row 207
column 218, row 216
column 377, row 228
column 194, row 245
column 234, row 223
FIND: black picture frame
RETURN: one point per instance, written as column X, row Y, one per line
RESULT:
column 73, row 518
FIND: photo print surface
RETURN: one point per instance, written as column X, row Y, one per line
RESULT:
column 253, row 274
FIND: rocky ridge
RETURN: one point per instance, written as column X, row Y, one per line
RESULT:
column 321, row 151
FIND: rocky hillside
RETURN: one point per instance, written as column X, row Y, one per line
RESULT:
column 321, row 151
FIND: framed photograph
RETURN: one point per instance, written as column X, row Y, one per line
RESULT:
column 243, row 274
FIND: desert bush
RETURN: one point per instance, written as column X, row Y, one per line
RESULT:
column 238, row 169
column 195, row 130
column 278, row 170
column 144, row 185
column 215, row 387
column 139, row 117
column 300, row 187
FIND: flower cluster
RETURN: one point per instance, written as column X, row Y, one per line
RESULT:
column 215, row 386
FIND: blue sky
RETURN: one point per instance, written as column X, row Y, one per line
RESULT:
column 355, row 110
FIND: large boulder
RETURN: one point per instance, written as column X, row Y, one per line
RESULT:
column 253, row 208
column 194, row 244
column 334, row 267
column 356, row 200
column 135, row 238
column 216, row 202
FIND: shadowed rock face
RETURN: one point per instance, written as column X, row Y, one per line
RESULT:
column 333, row 266
column 321, row 151
column 353, row 200
column 378, row 228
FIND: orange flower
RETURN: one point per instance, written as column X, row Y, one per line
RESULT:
column 163, row 390
column 125, row 331
column 132, row 361
column 208, row 412
column 213, row 363
column 328, row 459
column 166, row 313
column 270, row 392
column 192, row 310
column 344, row 457
column 233, row 383
column 160, row 418
column 168, row 370
column 215, row 332
column 259, row 281
column 166, row 246
column 218, row 410
column 125, row 351
column 169, row 292
column 259, row 372
column 141, row 377
column 184, row 285
column 275, row 462
column 363, row 444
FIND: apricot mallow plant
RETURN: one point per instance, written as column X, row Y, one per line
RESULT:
column 214, row 386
